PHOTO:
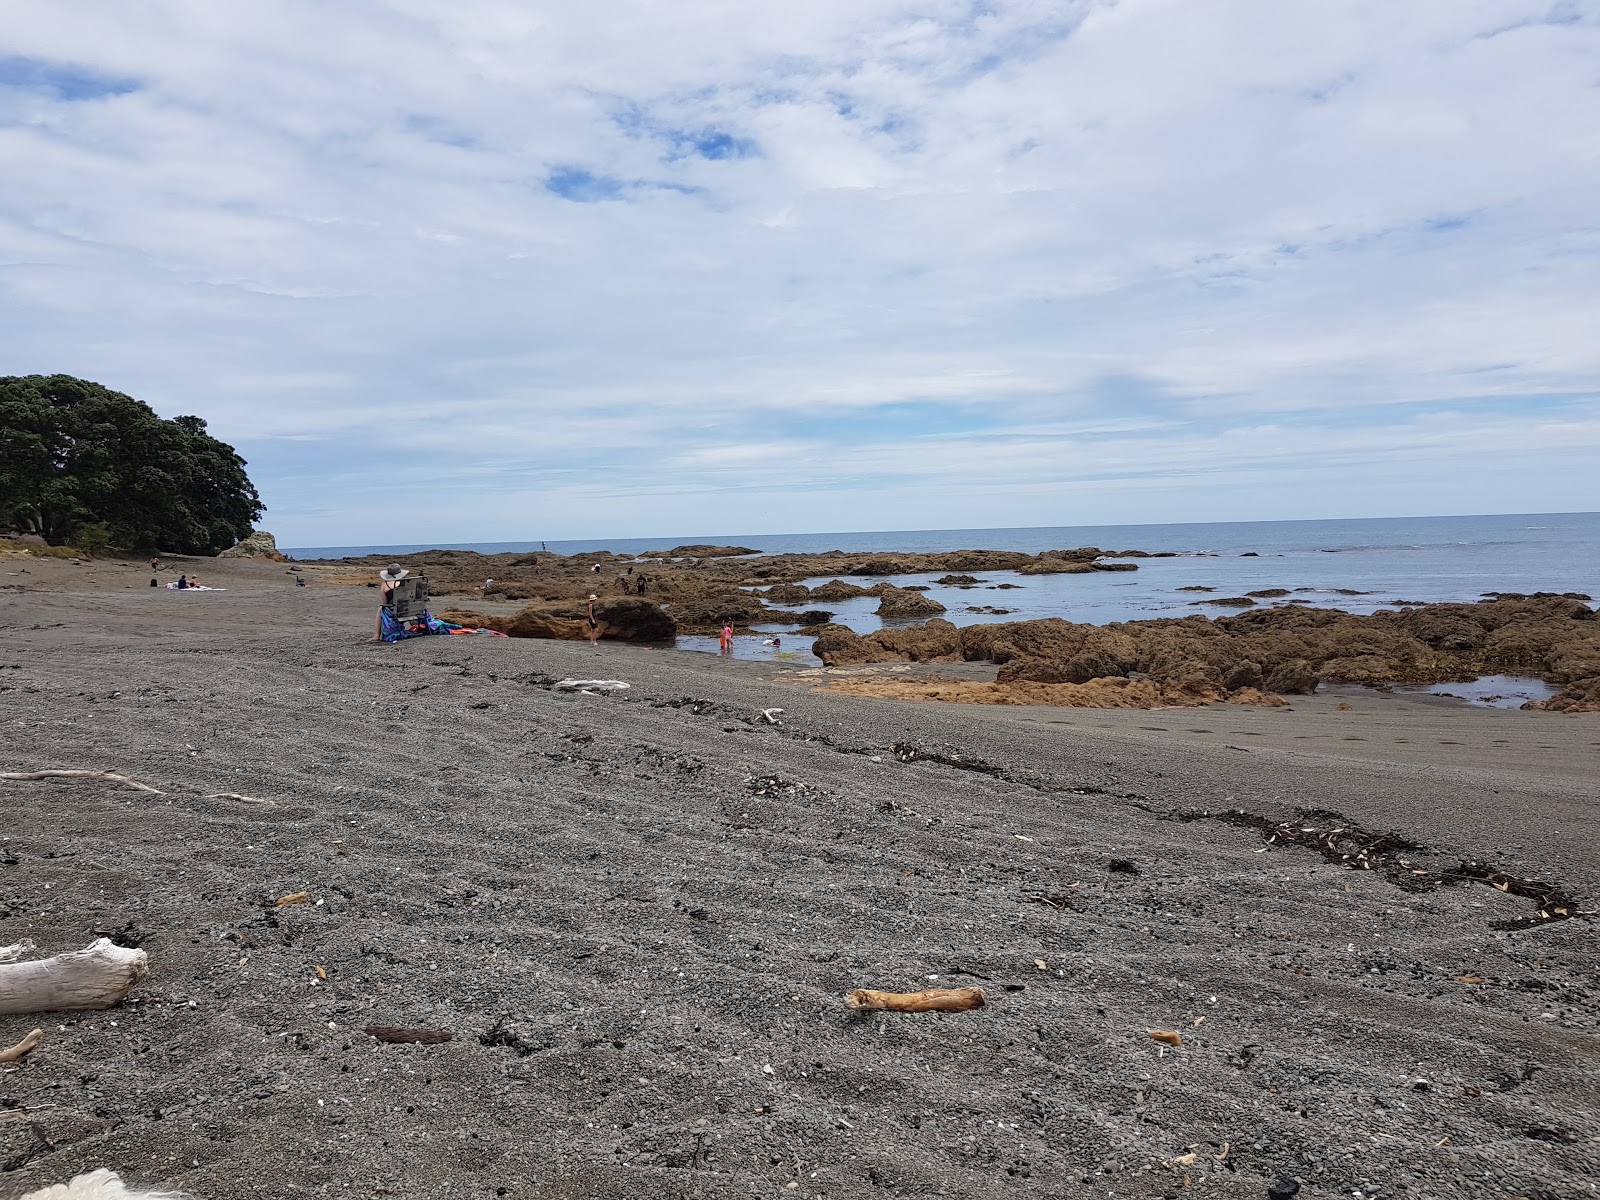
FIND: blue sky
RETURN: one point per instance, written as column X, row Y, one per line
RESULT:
column 630, row 269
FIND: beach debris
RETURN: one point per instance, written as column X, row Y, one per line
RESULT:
column 425, row 1037
column 241, row 799
column 291, row 898
column 1283, row 1188
column 1041, row 964
column 1122, row 866
column 770, row 716
column 105, row 776
column 13, row 952
column 590, row 687
column 98, row 976
column 930, row 1000
column 1181, row 1160
column 1395, row 856
column 1167, row 1037
column 23, row 1048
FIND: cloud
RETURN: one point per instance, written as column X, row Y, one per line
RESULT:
column 579, row 271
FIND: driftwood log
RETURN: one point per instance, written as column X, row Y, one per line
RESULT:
column 932, row 1000
column 104, row 776
column 98, row 976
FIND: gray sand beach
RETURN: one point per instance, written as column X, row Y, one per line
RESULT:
column 638, row 914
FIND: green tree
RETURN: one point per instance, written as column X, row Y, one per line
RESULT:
column 77, row 456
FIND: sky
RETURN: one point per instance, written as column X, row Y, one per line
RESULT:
column 533, row 270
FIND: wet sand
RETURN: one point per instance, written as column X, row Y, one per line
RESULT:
column 638, row 914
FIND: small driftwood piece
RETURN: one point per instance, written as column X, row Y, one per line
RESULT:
column 23, row 1048
column 932, row 1000
column 427, row 1037
column 106, row 776
column 98, row 976
column 242, row 799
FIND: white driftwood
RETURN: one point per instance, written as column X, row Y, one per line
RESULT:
column 23, row 1048
column 98, row 976
column 241, row 799
column 12, row 953
column 107, row 776
column 98, row 1185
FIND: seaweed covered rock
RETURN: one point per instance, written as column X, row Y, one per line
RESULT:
column 837, row 589
column 710, row 611
column 903, row 602
column 932, row 641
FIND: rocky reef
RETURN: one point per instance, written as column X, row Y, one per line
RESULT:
column 1266, row 651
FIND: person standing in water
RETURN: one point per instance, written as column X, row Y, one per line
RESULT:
column 727, row 639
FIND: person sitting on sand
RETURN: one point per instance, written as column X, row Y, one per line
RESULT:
column 183, row 583
column 388, row 577
column 594, row 622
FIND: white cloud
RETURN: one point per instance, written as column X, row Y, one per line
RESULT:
column 850, row 256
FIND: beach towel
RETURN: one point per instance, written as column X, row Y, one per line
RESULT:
column 394, row 631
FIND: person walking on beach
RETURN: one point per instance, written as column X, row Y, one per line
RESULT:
column 594, row 622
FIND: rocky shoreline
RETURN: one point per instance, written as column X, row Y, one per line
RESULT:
column 1254, row 656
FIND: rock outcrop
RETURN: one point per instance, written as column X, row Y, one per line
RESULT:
column 903, row 602
column 932, row 641
column 1290, row 651
column 259, row 544
column 623, row 618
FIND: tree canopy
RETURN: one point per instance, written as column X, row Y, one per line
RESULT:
column 77, row 458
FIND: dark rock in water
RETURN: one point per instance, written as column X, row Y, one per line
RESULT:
column 787, row 593
column 959, row 580
column 1249, row 554
column 901, row 602
column 837, row 589
column 1006, row 587
column 1229, row 602
column 878, row 566
column 1116, row 566
column 811, row 616
column 1271, row 593
column 701, row 552
column 1282, row 1188
column 916, row 587
column 1197, row 587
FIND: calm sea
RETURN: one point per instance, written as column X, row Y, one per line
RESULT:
column 1356, row 565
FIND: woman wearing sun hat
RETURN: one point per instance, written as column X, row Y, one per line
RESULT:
column 388, row 577
column 594, row 622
